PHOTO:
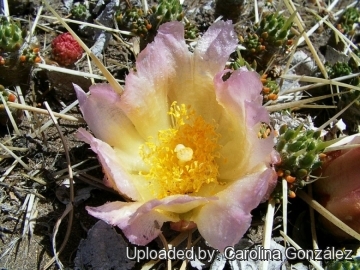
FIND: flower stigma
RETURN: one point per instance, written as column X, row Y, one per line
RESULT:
column 182, row 158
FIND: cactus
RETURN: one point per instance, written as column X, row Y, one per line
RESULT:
column 8, row 96
column 11, row 35
column 274, row 30
column 79, row 12
column 352, row 114
column 140, row 24
column 30, row 56
column 266, row 38
column 270, row 89
column 338, row 69
column 16, row 113
column 252, row 43
column 166, row 11
column 347, row 20
column 133, row 19
column 344, row 265
column 301, row 154
column 191, row 31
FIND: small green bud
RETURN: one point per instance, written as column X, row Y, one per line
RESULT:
column 282, row 34
column 273, row 32
column 289, row 134
column 302, row 184
column 311, row 146
column 307, row 160
column 280, row 145
column 301, row 173
column 290, row 162
column 282, row 129
column 180, row 17
column 272, row 24
column 168, row 15
column 7, row 32
column 316, row 165
column 294, row 147
column 262, row 23
column 16, row 37
column 309, row 133
column 317, row 134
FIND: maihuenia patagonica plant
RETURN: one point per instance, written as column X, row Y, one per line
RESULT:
column 140, row 24
column 348, row 19
column 344, row 265
column 351, row 116
column 145, row 25
column 301, row 153
column 11, row 35
column 79, row 12
column 268, row 37
column 8, row 96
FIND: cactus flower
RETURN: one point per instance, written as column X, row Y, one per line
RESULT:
column 181, row 143
column 338, row 190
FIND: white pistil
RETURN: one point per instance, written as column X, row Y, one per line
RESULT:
column 184, row 154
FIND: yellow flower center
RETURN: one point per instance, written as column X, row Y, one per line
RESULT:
column 183, row 158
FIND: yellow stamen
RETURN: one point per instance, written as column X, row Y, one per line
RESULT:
column 183, row 157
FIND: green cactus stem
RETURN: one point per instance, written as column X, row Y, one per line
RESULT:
column 8, row 96
column 270, row 89
column 134, row 20
column 272, row 35
column 11, row 35
column 347, row 20
column 301, row 153
column 344, row 265
column 79, row 12
column 191, row 31
column 30, row 56
column 166, row 11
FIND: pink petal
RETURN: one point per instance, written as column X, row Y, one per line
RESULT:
column 106, row 120
column 241, row 93
column 141, row 223
column 195, row 84
column 342, row 175
column 214, row 48
column 223, row 222
column 339, row 190
column 146, row 90
column 116, row 177
column 115, row 213
column 167, row 72
column 243, row 112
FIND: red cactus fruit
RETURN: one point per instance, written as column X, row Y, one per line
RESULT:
column 66, row 50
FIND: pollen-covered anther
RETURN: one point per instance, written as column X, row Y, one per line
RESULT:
column 184, row 154
column 183, row 157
